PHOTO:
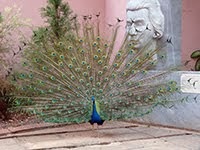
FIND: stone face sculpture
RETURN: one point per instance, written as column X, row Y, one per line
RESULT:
column 145, row 22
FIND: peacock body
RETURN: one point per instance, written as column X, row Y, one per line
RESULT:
column 87, row 80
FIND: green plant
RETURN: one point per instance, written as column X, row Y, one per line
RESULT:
column 6, row 98
column 10, row 22
column 196, row 55
column 60, row 23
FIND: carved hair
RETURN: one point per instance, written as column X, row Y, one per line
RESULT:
column 155, row 14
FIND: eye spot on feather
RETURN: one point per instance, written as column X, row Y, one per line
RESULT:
column 53, row 54
column 30, row 76
column 100, row 73
column 116, row 65
column 70, row 48
column 61, row 64
column 94, row 44
column 81, row 81
column 99, row 51
column 85, row 74
column 77, row 69
column 24, row 64
column 44, row 68
column 70, row 66
column 73, row 78
column 100, row 62
column 131, row 51
column 106, row 80
column 81, row 40
column 88, row 67
column 36, row 60
column 83, row 63
column 98, row 38
column 62, row 56
column 95, row 57
column 114, row 75
column 52, row 78
column 91, row 78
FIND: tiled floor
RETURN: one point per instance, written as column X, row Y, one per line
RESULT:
column 112, row 136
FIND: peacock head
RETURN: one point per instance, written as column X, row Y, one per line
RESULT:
column 93, row 98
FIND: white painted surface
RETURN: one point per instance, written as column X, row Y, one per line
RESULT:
column 190, row 83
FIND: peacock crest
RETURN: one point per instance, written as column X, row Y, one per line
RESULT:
column 86, row 79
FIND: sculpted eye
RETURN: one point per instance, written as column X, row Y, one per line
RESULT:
column 128, row 24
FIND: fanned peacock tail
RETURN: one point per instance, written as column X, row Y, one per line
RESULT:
column 63, row 81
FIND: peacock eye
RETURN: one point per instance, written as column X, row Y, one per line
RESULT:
column 98, row 84
column 137, row 60
column 53, row 54
column 22, row 75
column 73, row 78
column 85, row 74
column 36, row 60
column 124, row 73
column 91, row 78
column 131, row 51
column 98, row 38
column 128, row 65
column 100, row 90
column 70, row 48
column 31, row 76
column 133, row 71
column 105, row 68
column 144, row 71
column 80, row 40
column 100, row 73
column 25, row 64
column 64, row 76
column 52, row 78
column 77, row 69
column 116, row 65
column 88, row 67
column 96, row 57
column 100, row 62
column 106, row 79
column 81, row 81
column 94, row 90
column 62, row 56
column 70, row 66
column 44, row 68
column 74, row 59
column 95, row 44
column 130, row 45
column 60, row 43
column 82, row 51
column 113, row 75
column 99, row 50
column 60, row 64
column 83, row 63
column 103, row 57
column 147, row 54
column 106, row 45
column 119, row 54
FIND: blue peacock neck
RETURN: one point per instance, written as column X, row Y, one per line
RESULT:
column 95, row 117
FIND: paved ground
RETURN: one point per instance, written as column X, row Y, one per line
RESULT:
column 112, row 136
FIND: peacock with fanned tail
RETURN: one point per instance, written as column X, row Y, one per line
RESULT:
column 87, row 80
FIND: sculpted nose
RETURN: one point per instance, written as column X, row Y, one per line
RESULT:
column 132, row 30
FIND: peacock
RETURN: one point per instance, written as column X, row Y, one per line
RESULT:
column 86, row 79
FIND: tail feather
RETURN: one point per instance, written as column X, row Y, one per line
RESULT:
column 61, row 77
